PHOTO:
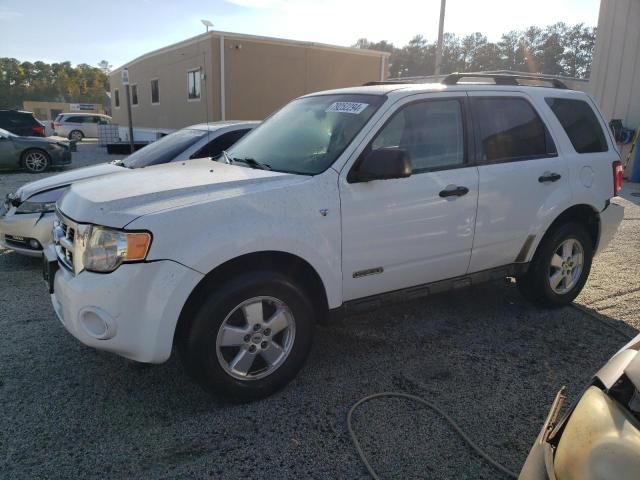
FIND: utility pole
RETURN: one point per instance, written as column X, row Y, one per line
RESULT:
column 125, row 82
column 440, row 37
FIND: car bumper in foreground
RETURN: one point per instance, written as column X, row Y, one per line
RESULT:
column 131, row 312
column 598, row 437
column 17, row 231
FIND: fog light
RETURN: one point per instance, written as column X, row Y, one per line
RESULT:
column 34, row 244
column 97, row 323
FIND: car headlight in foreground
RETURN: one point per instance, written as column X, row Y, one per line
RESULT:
column 44, row 202
column 106, row 249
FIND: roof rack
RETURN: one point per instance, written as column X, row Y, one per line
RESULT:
column 502, row 79
column 385, row 82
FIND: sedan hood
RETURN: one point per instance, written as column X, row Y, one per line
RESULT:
column 67, row 178
column 117, row 200
column 19, row 139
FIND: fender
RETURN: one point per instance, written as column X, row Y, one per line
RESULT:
column 302, row 219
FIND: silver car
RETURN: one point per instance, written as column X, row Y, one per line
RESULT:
column 76, row 126
column 26, row 216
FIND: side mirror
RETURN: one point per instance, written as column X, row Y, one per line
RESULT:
column 382, row 164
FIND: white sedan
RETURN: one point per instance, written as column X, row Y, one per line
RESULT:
column 26, row 216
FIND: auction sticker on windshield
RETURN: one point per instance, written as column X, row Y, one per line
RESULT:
column 347, row 107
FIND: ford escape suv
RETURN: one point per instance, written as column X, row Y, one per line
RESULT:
column 341, row 200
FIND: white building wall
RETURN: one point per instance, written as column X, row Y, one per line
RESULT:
column 615, row 72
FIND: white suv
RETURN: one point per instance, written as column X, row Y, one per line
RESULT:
column 341, row 200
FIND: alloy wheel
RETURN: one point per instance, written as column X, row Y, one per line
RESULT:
column 36, row 161
column 566, row 266
column 255, row 339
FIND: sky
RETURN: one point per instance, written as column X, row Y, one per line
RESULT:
column 89, row 31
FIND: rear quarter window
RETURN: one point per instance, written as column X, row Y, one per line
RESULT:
column 19, row 119
column 580, row 123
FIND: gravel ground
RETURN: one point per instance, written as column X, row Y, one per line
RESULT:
column 490, row 359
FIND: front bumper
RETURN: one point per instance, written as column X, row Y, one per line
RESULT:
column 61, row 158
column 610, row 219
column 26, row 226
column 131, row 312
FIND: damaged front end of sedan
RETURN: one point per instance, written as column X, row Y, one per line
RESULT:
column 599, row 436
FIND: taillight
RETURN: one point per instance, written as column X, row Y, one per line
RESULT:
column 38, row 130
column 618, row 171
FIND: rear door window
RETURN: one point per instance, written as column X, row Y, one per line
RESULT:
column 509, row 129
column 580, row 123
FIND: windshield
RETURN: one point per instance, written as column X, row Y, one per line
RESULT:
column 307, row 135
column 165, row 149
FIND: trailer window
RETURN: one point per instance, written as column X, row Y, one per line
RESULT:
column 155, row 92
column 193, row 84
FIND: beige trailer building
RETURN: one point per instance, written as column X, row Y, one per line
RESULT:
column 223, row 76
column 615, row 70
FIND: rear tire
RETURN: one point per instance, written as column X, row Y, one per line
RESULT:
column 560, row 267
column 250, row 336
column 76, row 135
column 35, row 160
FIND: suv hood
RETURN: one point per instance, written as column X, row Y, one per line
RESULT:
column 66, row 178
column 117, row 200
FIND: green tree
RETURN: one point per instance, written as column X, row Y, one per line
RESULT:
column 558, row 49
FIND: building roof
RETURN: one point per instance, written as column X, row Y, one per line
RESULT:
column 242, row 36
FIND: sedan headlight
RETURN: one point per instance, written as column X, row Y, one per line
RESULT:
column 43, row 202
column 106, row 249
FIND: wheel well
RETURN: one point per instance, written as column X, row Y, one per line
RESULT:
column 286, row 263
column 583, row 214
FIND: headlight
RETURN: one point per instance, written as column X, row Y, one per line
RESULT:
column 107, row 249
column 41, row 202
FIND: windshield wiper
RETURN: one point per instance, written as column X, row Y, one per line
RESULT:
column 252, row 162
column 224, row 154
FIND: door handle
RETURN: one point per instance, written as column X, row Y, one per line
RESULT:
column 549, row 177
column 454, row 191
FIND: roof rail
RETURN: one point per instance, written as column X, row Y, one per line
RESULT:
column 385, row 82
column 502, row 79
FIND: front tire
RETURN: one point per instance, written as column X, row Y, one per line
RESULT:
column 35, row 160
column 560, row 267
column 250, row 337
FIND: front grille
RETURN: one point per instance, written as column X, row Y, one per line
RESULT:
column 64, row 238
column 21, row 242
